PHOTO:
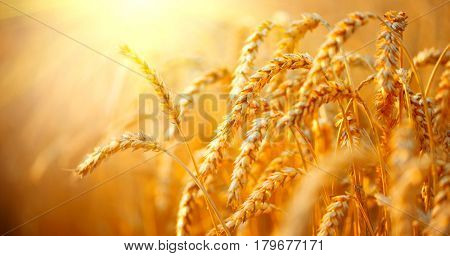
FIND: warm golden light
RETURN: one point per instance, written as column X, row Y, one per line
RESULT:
column 66, row 88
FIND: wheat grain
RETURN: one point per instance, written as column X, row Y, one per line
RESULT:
column 417, row 108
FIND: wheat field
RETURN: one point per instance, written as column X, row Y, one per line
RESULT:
column 281, row 136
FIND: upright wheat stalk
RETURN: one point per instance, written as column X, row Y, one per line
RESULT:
column 387, row 62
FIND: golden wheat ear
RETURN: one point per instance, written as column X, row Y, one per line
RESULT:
column 334, row 215
column 128, row 140
column 430, row 56
column 258, row 201
column 249, row 151
column 157, row 83
column 248, row 56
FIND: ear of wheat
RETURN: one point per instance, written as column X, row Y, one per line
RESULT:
column 335, row 213
column 160, row 88
column 248, row 55
column 247, row 156
column 258, row 201
column 132, row 141
column 430, row 56
column 387, row 62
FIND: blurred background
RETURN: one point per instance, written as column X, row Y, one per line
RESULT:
column 64, row 90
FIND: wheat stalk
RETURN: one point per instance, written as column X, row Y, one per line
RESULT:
column 215, row 149
column 387, row 62
column 332, row 45
column 242, row 104
column 248, row 56
column 249, row 151
column 158, row 85
column 323, row 94
column 258, row 201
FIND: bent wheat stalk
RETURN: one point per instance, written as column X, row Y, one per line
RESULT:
column 128, row 140
column 335, row 38
column 167, row 104
column 316, row 75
